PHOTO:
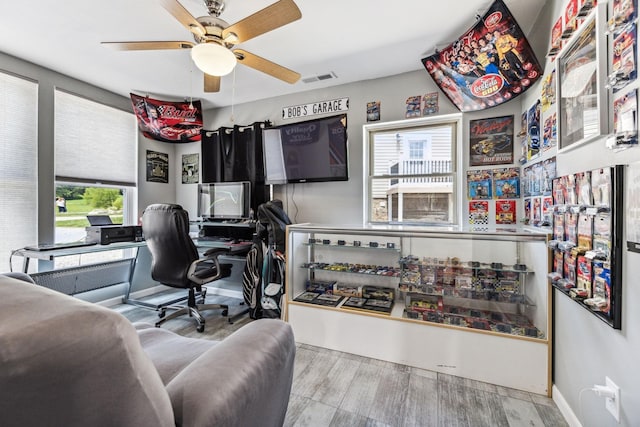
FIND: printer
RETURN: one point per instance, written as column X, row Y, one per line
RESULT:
column 103, row 231
column 105, row 234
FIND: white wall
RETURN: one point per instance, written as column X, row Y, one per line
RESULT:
column 586, row 349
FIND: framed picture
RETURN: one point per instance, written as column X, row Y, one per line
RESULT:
column 583, row 108
column 491, row 141
column 190, row 168
column 157, row 167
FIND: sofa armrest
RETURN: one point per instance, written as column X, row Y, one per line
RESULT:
column 245, row 380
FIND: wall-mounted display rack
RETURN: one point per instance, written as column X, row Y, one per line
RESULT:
column 587, row 240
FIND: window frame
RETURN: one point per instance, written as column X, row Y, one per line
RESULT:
column 369, row 132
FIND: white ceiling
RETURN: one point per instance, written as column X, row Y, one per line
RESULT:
column 355, row 39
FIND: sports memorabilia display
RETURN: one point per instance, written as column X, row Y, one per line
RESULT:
column 487, row 66
column 168, row 121
column 587, row 228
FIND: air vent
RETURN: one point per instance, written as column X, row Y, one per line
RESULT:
column 320, row 77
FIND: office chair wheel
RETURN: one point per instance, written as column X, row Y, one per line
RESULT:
column 162, row 313
column 225, row 313
column 200, row 328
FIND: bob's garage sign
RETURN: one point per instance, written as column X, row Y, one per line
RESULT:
column 322, row 107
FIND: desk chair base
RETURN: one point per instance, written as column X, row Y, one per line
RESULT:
column 192, row 308
column 237, row 315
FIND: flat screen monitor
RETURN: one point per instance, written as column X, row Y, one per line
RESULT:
column 224, row 200
column 309, row 151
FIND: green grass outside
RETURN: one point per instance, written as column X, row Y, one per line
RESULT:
column 77, row 208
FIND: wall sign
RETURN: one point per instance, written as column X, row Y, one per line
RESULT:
column 157, row 167
column 491, row 141
column 191, row 168
column 313, row 109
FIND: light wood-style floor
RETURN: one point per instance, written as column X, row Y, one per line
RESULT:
column 331, row 388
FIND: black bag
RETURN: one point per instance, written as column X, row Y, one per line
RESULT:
column 272, row 224
column 264, row 273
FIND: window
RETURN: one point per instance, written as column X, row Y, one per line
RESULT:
column 95, row 167
column 411, row 171
column 416, row 150
column 18, row 165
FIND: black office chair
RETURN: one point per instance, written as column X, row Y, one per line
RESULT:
column 176, row 262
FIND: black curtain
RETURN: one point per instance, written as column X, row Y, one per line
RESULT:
column 232, row 154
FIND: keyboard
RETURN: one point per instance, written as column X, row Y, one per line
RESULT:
column 54, row 246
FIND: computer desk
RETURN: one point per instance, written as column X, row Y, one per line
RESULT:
column 130, row 275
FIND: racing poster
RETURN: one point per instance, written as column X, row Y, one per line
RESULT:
column 488, row 65
column 168, row 121
column 491, row 141
column 157, row 167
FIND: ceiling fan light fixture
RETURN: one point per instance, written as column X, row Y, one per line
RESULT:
column 213, row 59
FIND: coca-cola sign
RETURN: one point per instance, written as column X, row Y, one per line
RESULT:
column 487, row 85
column 488, row 65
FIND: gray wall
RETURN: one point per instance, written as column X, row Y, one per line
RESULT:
column 586, row 349
column 155, row 192
column 48, row 81
column 341, row 202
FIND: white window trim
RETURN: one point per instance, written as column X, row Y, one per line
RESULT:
column 369, row 129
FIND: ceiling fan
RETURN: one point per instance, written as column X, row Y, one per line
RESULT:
column 214, row 39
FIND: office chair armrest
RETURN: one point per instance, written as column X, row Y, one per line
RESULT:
column 215, row 252
column 202, row 279
column 210, row 255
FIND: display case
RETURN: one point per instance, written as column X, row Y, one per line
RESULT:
column 583, row 109
column 444, row 299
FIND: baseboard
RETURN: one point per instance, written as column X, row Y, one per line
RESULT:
column 134, row 295
column 566, row 411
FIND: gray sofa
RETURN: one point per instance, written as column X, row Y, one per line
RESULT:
column 65, row 362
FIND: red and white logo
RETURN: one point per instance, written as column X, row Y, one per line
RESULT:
column 493, row 19
column 487, row 85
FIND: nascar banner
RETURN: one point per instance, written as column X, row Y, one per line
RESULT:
column 166, row 120
column 489, row 65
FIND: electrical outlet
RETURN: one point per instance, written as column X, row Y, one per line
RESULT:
column 613, row 403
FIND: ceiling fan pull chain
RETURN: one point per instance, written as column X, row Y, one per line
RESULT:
column 191, row 87
column 233, row 94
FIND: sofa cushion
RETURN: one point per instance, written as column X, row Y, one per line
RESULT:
column 251, row 373
column 66, row 362
column 170, row 352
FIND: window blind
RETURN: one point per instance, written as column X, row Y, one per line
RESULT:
column 93, row 142
column 18, row 165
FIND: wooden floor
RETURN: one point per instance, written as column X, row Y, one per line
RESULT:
column 331, row 388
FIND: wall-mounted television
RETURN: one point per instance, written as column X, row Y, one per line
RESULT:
column 218, row 201
column 309, row 151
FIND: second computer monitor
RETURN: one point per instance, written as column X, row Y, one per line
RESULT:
column 218, row 201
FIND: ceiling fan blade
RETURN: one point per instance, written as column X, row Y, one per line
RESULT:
column 266, row 66
column 159, row 45
column 181, row 14
column 271, row 17
column 211, row 83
